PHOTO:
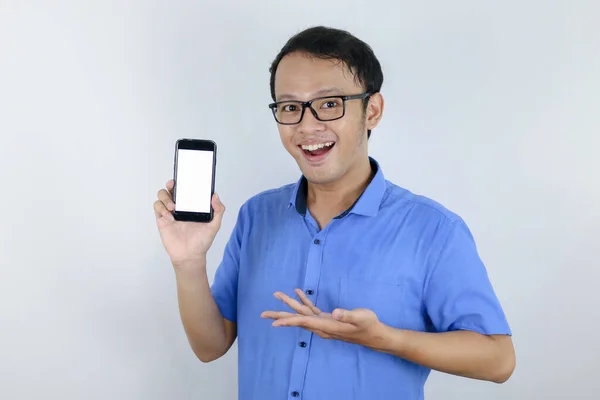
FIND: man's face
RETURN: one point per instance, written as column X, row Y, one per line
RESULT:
column 342, row 143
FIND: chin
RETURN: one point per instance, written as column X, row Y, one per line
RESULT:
column 320, row 175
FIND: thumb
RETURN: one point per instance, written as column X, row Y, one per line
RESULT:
column 218, row 207
column 216, row 203
column 344, row 315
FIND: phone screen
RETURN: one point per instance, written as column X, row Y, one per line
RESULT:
column 194, row 180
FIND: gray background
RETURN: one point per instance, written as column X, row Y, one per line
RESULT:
column 491, row 109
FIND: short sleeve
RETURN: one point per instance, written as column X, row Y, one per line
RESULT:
column 225, row 285
column 458, row 294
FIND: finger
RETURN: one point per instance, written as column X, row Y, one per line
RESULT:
column 300, row 323
column 159, row 208
column 277, row 314
column 294, row 320
column 294, row 304
column 307, row 301
column 160, row 211
column 166, row 198
column 326, row 325
column 170, row 185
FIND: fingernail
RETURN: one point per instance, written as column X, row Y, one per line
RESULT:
column 337, row 314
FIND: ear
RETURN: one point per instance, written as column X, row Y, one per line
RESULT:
column 374, row 111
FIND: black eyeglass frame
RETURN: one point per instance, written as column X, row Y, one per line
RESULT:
column 308, row 104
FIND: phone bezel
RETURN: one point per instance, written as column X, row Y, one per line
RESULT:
column 202, row 145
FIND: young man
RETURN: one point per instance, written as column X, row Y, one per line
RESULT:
column 342, row 285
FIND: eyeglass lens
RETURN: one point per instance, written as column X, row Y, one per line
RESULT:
column 290, row 112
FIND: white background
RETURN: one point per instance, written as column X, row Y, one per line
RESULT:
column 491, row 108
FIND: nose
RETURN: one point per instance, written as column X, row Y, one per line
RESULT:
column 310, row 123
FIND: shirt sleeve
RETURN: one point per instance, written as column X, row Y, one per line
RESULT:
column 225, row 285
column 459, row 294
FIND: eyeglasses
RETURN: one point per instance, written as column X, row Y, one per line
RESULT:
column 327, row 108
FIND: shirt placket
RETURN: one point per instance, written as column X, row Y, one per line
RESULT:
column 311, row 285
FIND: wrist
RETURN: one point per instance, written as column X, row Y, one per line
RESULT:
column 190, row 264
column 387, row 339
column 190, row 278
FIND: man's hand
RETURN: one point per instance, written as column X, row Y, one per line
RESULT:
column 185, row 242
column 462, row 353
column 359, row 326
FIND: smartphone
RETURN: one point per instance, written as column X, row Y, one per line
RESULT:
column 194, row 176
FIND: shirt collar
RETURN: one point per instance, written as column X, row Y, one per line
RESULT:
column 367, row 204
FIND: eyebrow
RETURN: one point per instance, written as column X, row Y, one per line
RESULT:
column 326, row 91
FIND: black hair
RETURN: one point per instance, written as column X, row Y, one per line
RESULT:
column 336, row 44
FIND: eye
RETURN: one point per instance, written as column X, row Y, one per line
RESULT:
column 330, row 104
column 290, row 107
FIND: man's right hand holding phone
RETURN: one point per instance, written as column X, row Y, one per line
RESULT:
column 209, row 334
column 186, row 243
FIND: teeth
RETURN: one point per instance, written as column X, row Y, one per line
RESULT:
column 313, row 147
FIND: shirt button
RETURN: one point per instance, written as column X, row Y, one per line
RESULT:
column 317, row 241
column 295, row 394
column 309, row 292
column 302, row 344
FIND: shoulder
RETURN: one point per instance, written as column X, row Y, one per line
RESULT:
column 422, row 218
column 417, row 205
column 433, row 226
column 268, row 202
column 262, row 209
column 275, row 197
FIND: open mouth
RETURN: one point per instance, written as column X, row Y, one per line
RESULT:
column 317, row 150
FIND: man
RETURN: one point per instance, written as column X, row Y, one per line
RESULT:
column 342, row 285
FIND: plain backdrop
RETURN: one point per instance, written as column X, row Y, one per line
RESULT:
column 492, row 109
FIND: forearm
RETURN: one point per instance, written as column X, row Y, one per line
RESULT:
column 462, row 353
column 203, row 323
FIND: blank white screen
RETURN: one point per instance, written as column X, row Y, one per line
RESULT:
column 194, row 180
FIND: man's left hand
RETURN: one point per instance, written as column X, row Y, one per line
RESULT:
column 360, row 326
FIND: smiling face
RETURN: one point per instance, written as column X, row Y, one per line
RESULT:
column 326, row 151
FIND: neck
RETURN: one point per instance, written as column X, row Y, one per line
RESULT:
column 329, row 200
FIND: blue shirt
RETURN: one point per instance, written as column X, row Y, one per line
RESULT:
column 404, row 256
